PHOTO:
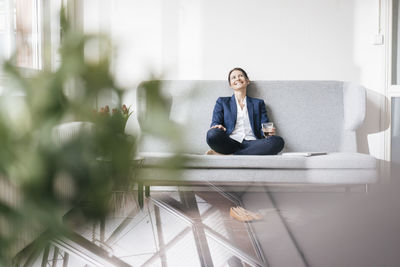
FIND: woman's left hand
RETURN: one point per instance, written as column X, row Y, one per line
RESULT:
column 269, row 132
column 272, row 132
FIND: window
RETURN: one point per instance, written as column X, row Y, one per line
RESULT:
column 394, row 74
column 27, row 29
column 20, row 32
column 393, row 86
column 5, row 32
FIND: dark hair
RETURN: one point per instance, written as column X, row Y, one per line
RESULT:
column 239, row 69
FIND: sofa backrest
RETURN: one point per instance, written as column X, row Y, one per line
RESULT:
column 309, row 115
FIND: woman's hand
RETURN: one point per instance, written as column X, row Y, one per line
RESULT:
column 269, row 132
column 219, row 126
column 272, row 132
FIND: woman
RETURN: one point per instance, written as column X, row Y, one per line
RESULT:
column 236, row 122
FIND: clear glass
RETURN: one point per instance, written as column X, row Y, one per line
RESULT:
column 267, row 128
column 58, row 257
column 175, row 227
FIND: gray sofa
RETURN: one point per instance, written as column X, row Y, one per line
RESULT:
column 310, row 115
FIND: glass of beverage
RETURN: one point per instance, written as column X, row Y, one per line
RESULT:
column 267, row 128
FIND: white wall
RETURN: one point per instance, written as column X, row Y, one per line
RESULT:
column 272, row 40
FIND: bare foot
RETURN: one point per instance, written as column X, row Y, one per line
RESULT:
column 212, row 152
column 243, row 215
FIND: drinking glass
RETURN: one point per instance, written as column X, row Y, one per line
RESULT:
column 267, row 128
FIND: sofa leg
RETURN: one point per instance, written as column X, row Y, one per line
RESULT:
column 140, row 195
column 147, row 190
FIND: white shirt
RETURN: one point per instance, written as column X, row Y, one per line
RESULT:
column 242, row 129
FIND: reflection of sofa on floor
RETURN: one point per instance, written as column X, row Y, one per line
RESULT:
column 309, row 115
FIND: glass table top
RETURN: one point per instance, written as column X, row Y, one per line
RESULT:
column 174, row 228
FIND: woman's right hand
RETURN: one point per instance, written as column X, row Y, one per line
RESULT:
column 219, row 126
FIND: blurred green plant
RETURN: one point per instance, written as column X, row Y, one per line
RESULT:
column 46, row 177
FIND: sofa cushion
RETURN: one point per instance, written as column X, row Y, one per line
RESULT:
column 252, row 177
column 331, row 169
column 329, row 161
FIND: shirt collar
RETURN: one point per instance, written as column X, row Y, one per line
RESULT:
column 244, row 101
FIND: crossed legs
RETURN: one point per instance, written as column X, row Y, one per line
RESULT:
column 220, row 142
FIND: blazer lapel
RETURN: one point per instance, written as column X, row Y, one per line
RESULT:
column 233, row 110
column 250, row 110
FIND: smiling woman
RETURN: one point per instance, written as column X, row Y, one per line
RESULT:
column 236, row 122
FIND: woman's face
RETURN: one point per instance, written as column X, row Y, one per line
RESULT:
column 238, row 80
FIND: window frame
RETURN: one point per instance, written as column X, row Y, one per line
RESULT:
column 392, row 90
column 47, row 35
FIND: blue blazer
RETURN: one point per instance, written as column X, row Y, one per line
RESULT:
column 225, row 113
